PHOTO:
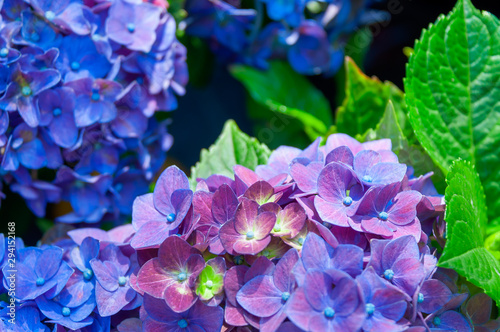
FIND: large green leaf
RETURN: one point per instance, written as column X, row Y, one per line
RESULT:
column 365, row 102
column 282, row 90
column 466, row 223
column 233, row 147
column 453, row 93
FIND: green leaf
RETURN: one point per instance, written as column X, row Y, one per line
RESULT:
column 283, row 90
column 233, row 147
column 365, row 102
column 453, row 93
column 466, row 223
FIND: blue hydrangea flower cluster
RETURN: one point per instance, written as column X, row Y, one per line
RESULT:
column 310, row 34
column 80, row 82
column 331, row 238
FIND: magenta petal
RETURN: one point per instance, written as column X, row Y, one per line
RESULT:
column 342, row 154
column 234, row 279
column 404, row 247
column 299, row 311
column 228, row 236
column 151, row 235
column 181, row 201
column 408, row 273
column 436, row 295
column 260, row 191
column 316, row 252
column 251, row 247
column 404, row 210
column 291, row 219
column 158, row 310
column 414, row 229
column 264, row 223
column 318, row 287
column 169, row 181
column 110, row 303
column 224, row 204
column 261, row 266
column 385, row 173
column 378, row 227
column 245, row 215
column 174, row 253
column 333, row 213
column 233, row 315
column 336, row 140
column 153, row 279
column 106, row 273
column 272, row 323
column 306, row 177
column 180, row 297
column 283, row 276
column 260, row 297
column 365, row 160
column 377, row 145
column 144, row 211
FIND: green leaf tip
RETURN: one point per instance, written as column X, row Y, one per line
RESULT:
column 233, row 147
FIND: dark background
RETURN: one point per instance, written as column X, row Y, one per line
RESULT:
column 202, row 112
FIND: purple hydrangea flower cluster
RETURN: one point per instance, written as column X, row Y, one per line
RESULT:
column 332, row 238
column 80, row 82
column 310, row 35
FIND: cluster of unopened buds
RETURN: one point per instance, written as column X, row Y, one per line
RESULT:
column 80, row 83
column 332, row 238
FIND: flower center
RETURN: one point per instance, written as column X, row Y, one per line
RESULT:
column 122, row 281
column 182, row 276
column 367, row 178
column 277, row 228
column 238, row 260
column 26, row 91
column 347, row 201
column 420, row 298
column 171, row 217
column 131, row 27
column 88, row 274
column 40, row 281
column 57, row 111
column 96, row 96
column 66, row 311
column 285, row 296
column 329, row 312
column 370, row 309
column 209, row 284
column 182, row 323
column 383, row 216
column 389, row 274
column 4, row 52
column 436, row 321
column 50, row 15
column 266, row 253
column 301, row 240
column 250, row 235
column 75, row 65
